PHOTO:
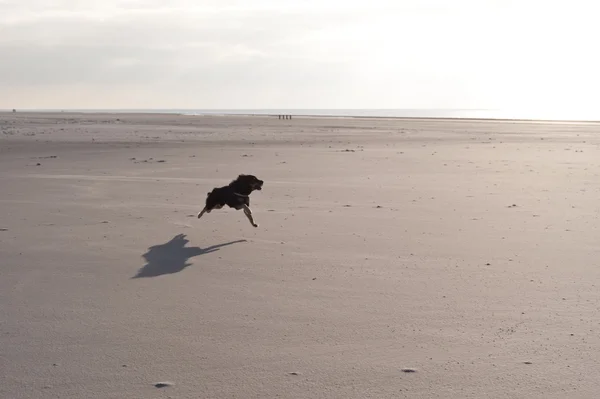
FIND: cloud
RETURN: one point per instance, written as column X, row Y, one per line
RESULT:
column 222, row 50
column 274, row 53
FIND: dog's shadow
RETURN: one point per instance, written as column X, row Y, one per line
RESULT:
column 172, row 257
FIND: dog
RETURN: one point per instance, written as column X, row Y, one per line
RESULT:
column 236, row 195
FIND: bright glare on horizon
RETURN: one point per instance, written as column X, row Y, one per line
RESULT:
column 528, row 54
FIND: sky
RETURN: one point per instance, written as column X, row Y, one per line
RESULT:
column 205, row 54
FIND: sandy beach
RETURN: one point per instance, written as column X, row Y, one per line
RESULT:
column 395, row 258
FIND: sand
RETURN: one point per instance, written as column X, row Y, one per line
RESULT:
column 395, row 258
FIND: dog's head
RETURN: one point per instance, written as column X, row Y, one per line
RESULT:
column 250, row 181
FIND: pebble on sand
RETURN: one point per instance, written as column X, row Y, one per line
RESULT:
column 409, row 370
column 163, row 384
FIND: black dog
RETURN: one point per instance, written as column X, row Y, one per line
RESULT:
column 236, row 195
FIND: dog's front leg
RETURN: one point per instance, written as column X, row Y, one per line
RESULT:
column 248, row 214
column 202, row 213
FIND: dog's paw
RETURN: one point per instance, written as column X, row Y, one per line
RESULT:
column 255, row 225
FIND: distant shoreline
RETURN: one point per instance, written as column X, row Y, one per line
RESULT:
column 294, row 115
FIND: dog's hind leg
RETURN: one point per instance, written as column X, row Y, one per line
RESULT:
column 248, row 214
column 207, row 210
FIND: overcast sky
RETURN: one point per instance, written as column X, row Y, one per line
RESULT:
column 299, row 54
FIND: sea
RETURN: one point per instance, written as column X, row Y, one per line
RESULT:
column 545, row 115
